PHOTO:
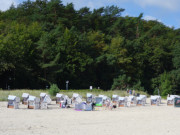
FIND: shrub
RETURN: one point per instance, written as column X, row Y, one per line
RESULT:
column 121, row 82
column 53, row 90
column 138, row 86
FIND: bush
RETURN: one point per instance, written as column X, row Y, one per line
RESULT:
column 53, row 90
column 138, row 86
column 121, row 82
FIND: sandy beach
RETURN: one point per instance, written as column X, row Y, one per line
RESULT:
column 147, row 120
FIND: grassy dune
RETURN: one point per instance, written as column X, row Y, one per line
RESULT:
column 4, row 93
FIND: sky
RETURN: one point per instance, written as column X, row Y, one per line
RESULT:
column 165, row 11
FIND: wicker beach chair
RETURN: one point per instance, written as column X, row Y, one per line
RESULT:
column 33, row 102
column 25, row 97
column 115, row 99
column 155, row 100
column 13, row 102
column 140, row 101
column 122, row 101
column 90, row 98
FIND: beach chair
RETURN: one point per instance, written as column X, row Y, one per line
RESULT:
column 42, row 96
column 33, row 102
column 155, row 100
column 98, row 101
column 131, row 100
column 69, row 101
column 170, row 99
column 45, row 98
column 13, row 102
column 159, row 98
column 177, row 101
column 144, row 97
column 65, row 102
column 59, row 98
column 76, row 98
column 90, row 98
column 106, row 100
column 122, row 101
column 115, row 99
column 140, row 101
column 25, row 97
column 45, row 102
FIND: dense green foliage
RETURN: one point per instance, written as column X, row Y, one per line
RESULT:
column 46, row 42
column 53, row 90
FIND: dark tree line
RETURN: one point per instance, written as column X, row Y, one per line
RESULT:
column 46, row 42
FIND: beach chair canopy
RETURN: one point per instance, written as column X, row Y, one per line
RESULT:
column 158, row 96
column 139, row 98
column 114, row 96
column 31, row 98
column 42, row 94
column 105, row 98
column 131, row 97
column 75, row 95
column 144, row 96
column 174, row 96
column 101, row 96
column 89, row 95
column 11, row 97
column 121, row 98
column 25, row 95
column 154, row 97
column 59, row 95
column 170, row 98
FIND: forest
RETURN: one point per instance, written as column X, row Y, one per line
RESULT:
column 44, row 42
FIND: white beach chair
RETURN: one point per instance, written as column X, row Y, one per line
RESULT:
column 122, row 101
column 33, row 102
column 42, row 96
column 131, row 100
column 76, row 98
column 69, row 101
column 46, row 101
column 144, row 97
column 159, row 98
column 45, row 98
column 170, row 99
column 13, row 102
column 65, row 102
column 140, row 101
column 90, row 98
column 25, row 97
column 155, row 100
column 106, row 101
column 115, row 99
column 59, row 98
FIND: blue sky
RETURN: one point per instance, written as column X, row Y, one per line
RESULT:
column 165, row 11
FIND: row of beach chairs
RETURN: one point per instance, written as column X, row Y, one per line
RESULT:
column 92, row 101
column 32, row 102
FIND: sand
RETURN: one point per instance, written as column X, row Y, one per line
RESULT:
column 147, row 120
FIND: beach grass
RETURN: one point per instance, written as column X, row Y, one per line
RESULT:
column 4, row 93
